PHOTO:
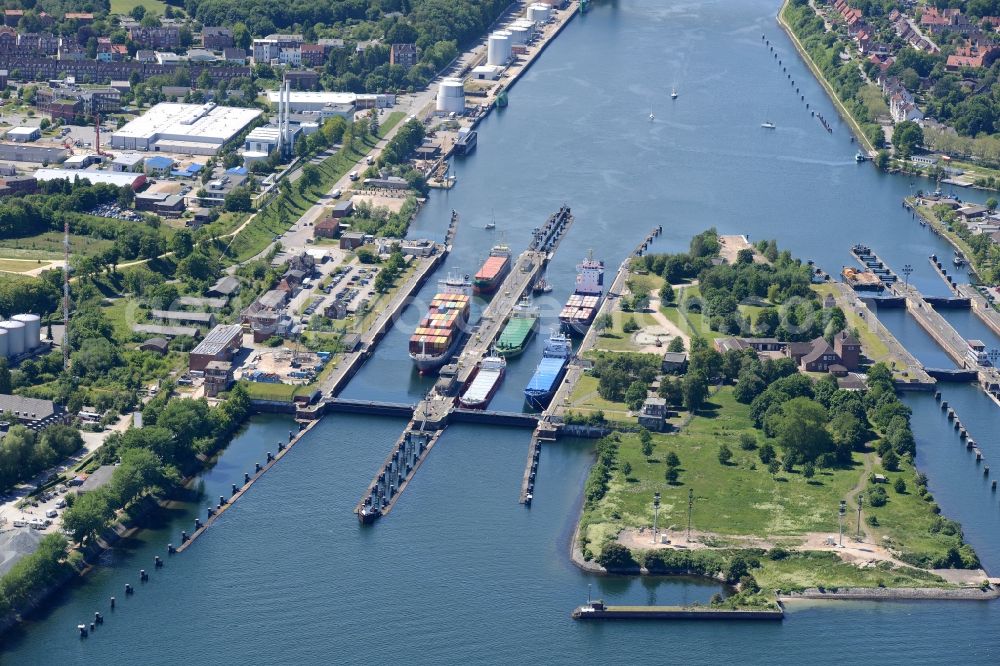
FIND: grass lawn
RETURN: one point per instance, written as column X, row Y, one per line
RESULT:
column 741, row 498
column 265, row 391
column 21, row 265
column 826, row 570
column 586, row 400
column 49, row 245
column 615, row 338
column 126, row 6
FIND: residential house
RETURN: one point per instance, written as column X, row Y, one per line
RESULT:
column 653, row 414
column 216, row 38
column 218, row 377
column 312, row 55
column 234, row 54
column 819, row 357
column 327, row 228
column 938, row 21
column 155, row 38
column 848, row 350
column 405, row 55
column 283, row 49
column 674, row 362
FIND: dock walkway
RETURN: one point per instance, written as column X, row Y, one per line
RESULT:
column 549, row 423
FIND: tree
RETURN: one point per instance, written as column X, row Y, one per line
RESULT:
column 766, row 453
column 748, row 441
column 748, row 386
column 671, row 475
column 615, row 556
column 725, row 455
column 238, row 200
column 890, row 461
column 87, row 516
column 799, row 427
column 882, row 160
column 627, row 469
column 773, row 466
column 676, row 345
column 182, row 244
column 5, row 384
column 907, row 137
column 241, row 36
column 667, row 294
column 673, row 460
column 647, row 448
column 991, row 203
column 695, row 389
column 635, row 395
column 808, row 470
column 899, row 486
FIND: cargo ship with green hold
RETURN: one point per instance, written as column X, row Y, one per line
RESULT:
column 518, row 331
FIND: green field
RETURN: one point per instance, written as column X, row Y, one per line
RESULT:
column 21, row 265
column 585, row 400
column 741, row 499
column 126, row 6
column 799, row 571
column 616, row 339
column 49, row 245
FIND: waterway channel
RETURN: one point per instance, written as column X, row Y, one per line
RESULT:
column 460, row 573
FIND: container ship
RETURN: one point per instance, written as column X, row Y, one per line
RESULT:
column 582, row 306
column 484, row 382
column 549, row 372
column 494, row 270
column 439, row 333
column 518, row 331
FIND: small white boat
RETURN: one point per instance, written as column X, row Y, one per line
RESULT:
column 492, row 224
column 767, row 124
column 673, row 94
column 651, row 116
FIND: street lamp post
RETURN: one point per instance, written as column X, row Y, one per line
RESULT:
column 907, row 270
column 861, row 501
column 656, row 513
column 843, row 510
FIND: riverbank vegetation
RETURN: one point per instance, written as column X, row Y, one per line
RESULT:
column 862, row 100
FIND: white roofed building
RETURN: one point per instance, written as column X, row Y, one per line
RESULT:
column 191, row 129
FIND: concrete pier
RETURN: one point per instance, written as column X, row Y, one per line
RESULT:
column 201, row 527
column 436, row 410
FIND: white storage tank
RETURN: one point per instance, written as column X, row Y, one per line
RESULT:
column 538, row 13
column 529, row 25
column 3, row 343
column 32, row 330
column 498, row 49
column 519, row 34
column 15, row 337
column 451, row 96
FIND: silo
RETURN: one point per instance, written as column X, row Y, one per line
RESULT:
column 451, row 96
column 498, row 49
column 32, row 330
column 15, row 337
column 3, row 343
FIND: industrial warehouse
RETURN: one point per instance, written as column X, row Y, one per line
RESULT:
column 187, row 129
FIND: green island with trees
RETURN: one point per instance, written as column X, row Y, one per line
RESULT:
column 765, row 453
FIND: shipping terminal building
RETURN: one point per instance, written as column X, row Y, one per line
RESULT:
column 185, row 129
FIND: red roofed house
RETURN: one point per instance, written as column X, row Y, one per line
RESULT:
column 973, row 55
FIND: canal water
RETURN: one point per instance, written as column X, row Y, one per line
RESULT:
column 461, row 573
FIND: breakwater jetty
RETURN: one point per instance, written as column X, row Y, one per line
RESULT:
column 597, row 610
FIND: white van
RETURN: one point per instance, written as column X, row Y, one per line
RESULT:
column 353, row 175
column 369, row 160
column 51, row 513
column 336, row 193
